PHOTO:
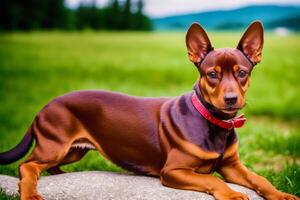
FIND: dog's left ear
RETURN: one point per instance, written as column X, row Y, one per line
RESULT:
column 251, row 43
column 197, row 43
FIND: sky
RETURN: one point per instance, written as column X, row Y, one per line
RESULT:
column 162, row 8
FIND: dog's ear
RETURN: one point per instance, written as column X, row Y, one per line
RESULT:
column 251, row 43
column 197, row 43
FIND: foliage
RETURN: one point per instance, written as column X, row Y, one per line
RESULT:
column 32, row 14
column 52, row 14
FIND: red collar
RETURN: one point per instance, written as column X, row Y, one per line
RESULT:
column 226, row 124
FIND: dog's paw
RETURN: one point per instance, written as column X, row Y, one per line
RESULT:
column 283, row 196
column 230, row 195
column 34, row 197
column 38, row 197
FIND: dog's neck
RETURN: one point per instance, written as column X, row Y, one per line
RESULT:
column 215, row 112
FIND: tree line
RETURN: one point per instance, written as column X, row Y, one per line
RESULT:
column 53, row 14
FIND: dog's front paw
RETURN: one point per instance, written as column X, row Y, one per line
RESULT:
column 282, row 196
column 33, row 197
column 230, row 195
column 285, row 196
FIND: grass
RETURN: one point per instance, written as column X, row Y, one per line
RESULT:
column 266, row 145
column 3, row 196
column 36, row 67
column 287, row 179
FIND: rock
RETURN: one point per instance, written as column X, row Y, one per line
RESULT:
column 107, row 185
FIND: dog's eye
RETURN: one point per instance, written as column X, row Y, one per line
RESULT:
column 212, row 75
column 242, row 74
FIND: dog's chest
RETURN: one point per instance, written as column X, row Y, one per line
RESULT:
column 196, row 129
column 212, row 138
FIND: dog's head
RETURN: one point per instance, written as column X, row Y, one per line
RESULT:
column 225, row 73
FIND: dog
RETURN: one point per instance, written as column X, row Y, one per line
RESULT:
column 180, row 140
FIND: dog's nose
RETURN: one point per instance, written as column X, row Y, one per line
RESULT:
column 230, row 98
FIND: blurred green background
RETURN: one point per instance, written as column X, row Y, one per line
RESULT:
column 37, row 66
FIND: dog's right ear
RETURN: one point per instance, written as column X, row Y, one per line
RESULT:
column 197, row 43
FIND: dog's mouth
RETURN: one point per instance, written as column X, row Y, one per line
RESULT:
column 230, row 110
column 233, row 108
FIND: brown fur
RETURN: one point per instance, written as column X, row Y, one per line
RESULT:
column 160, row 137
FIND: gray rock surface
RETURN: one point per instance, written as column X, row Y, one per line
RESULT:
column 106, row 185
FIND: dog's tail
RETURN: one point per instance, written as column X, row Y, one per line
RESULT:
column 18, row 151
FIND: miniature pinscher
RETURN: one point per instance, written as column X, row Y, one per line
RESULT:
column 181, row 140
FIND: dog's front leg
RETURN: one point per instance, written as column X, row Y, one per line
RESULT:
column 179, row 172
column 187, row 179
column 235, row 172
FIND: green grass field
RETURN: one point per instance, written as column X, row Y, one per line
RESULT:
column 36, row 67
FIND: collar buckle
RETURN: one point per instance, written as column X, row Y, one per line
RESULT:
column 232, row 122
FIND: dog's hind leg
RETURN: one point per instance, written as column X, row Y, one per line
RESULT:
column 40, row 159
column 74, row 155
column 54, row 129
column 49, row 151
column 29, row 173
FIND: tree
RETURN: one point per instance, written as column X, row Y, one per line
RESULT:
column 140, row 21
column 112, row 15
column 9, row 15
column 95, row 17
column 126, row 16
column 52, row 14
column 31, row 14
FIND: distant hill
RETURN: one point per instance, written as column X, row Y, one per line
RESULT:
column 271, row 15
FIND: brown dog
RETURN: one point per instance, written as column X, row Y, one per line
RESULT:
column 181, row 140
